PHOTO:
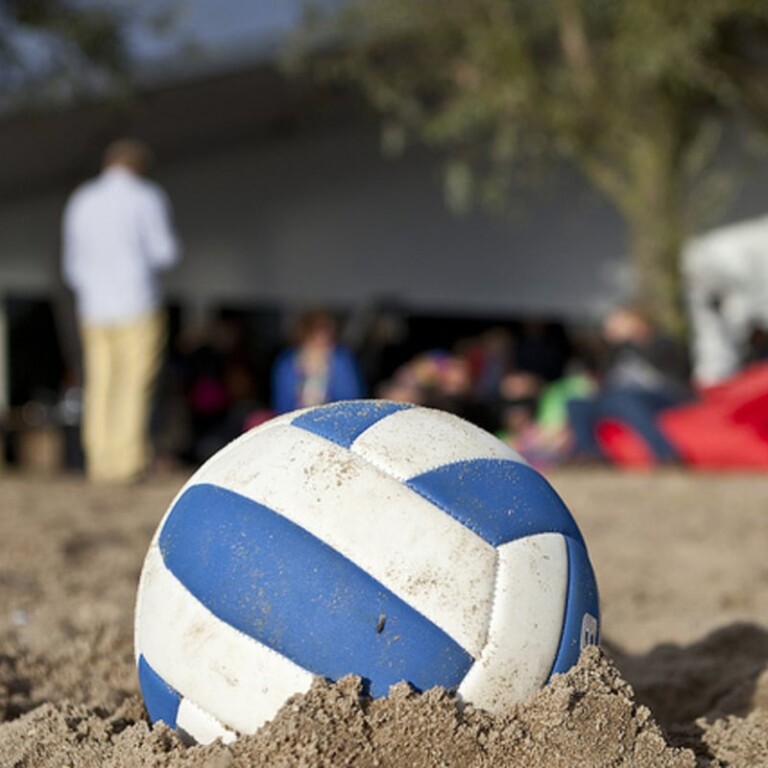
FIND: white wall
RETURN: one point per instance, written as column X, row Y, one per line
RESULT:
column 29, row 239
column 324, row 218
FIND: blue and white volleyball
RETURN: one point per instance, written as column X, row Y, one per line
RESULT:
column 373, row 538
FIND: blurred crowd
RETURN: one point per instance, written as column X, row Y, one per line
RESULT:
column 545, row 389
column 542, row 387
column 534, row 384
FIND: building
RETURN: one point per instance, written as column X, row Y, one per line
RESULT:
column 284, row 199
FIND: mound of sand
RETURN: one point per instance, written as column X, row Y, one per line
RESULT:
column 587, row 717
column 660, row 694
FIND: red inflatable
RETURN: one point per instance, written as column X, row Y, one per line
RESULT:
column 622, row 445
column 726, row 428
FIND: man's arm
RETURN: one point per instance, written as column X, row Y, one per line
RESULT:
column 161, row 244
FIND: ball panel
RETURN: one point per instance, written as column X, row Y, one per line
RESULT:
column 239, row 681
column 239, row 446
column 414, row 441
column 582, row 612
column 235, row 452
column 425, row 557
column 201, row 726
column 342, row 422
column 526, row 622
column 499, row 500
column 161, row 700
column 272, row 580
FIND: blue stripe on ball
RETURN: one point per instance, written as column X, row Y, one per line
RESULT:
column 161, row 700
column 581, row 601
column 500, row 500
column 344, row 422
column 279, row 584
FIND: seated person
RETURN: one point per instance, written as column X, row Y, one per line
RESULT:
column 316, row 370
column 644, row 376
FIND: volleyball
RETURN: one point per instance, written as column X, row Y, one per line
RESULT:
column 368, row 537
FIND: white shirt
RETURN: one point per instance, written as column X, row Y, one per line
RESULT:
column 116, row 234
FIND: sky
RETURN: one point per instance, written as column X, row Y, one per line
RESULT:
column 205, row 35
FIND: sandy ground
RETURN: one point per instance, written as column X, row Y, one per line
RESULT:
column 681, row 681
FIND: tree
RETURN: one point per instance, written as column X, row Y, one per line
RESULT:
column 53, row 50
column 634, row 93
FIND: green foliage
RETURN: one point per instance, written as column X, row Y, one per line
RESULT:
column 630, row 92
column 54, row 49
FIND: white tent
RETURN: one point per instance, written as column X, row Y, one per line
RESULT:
column 726, row 278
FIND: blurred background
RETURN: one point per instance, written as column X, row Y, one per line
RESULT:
column 468, row 188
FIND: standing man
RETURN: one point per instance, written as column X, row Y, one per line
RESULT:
column 117, row 234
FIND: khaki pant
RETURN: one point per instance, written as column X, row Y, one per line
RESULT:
column 121, row 363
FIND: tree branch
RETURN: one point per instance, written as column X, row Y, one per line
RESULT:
column 575, row 45
column 607, row 179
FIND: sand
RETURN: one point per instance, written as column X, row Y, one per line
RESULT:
column 681, row 679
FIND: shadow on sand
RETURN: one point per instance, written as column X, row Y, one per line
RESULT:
column 724, row 673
